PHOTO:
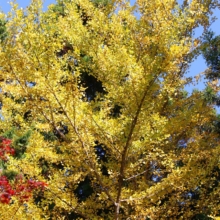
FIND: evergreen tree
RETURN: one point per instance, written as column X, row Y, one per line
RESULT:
column 211, row 54
column 3, row 32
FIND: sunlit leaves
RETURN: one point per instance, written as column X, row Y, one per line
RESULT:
column 101, row 91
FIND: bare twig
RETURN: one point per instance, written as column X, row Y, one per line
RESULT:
column 134, row 176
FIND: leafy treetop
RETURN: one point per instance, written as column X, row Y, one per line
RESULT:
column 112, row 131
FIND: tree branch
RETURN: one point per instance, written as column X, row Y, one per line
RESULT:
column 84, row 148
column 134, row 176
column 128, row 143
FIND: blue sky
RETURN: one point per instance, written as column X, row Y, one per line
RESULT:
column 5, row 6
column 197, row 66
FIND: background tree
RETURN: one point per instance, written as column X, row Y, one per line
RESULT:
column 112, row 132
column 210, row 49
column 211, row 53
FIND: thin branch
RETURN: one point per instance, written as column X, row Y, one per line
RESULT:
column 12, row 70
column 84, row 147
column 132, row 177
column 143, row 197
column 73, row 208
column 16, row 211
column 53, row 124
column 127, row 145
column 104, row 133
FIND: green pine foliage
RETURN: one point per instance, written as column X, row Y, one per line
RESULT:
column 211, row 54
column 20, row 141
column 3, row 32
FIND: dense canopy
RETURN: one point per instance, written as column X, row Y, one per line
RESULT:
column 93, row 98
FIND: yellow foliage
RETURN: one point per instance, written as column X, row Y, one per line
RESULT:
column 112, row 133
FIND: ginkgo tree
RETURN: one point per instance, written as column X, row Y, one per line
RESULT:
column 100, row 85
